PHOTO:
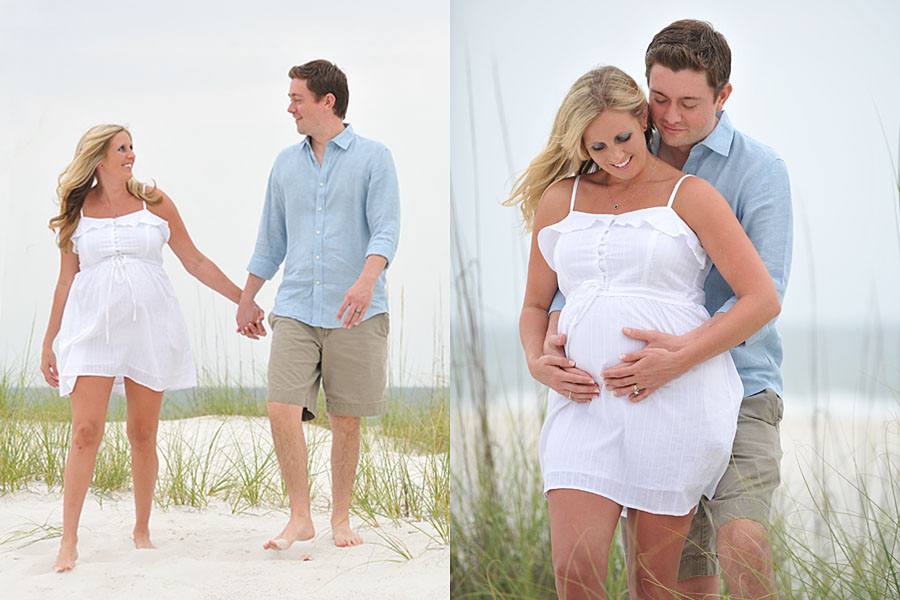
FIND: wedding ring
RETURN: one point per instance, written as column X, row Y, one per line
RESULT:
column 636, row 390
column 356, row 312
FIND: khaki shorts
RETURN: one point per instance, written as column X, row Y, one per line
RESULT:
column 350, row 363
column 745, row 491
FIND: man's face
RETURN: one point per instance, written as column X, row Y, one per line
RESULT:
column 307, row 112
column 683, row 105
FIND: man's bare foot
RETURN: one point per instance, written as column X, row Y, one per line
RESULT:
column 142, row 540
column 65, row 560
column 344, row 537
column 297, row 530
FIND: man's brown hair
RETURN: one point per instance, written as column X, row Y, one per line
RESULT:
column 324, row 77
column 691, row 44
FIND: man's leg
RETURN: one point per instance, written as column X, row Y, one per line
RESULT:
column 742, row 502
column 290, row 448
column 344, row 458
column 294, row 374
column 354, row 379
column 699, row 571
column 746, row 559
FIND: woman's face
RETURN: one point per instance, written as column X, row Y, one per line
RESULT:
column 119, row 158
column 615, row 141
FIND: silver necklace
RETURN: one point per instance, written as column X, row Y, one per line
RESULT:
column 634, row 193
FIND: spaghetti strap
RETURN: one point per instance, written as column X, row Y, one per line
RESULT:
column 675, row 191
column 574, row 189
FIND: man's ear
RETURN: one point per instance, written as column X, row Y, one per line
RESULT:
column 723, row 96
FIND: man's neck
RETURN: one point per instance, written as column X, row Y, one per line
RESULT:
column 674, row 155
column 320, row 140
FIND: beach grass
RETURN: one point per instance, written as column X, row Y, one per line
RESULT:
column 403, row 472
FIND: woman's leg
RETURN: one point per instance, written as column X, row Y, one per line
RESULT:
column 581, row 529
column 89, row 400
column 654, row 553
column 143, row 423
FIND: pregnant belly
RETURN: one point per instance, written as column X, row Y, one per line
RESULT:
column 594, row 338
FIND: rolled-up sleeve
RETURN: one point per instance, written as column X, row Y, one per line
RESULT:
column 383, row 207
column 769, row 222
column 271, row 240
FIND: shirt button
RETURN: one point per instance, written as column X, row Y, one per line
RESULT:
column 320, row 208
column 321, row 183
column 317, row 257
column 317, row 232
column 317, row 283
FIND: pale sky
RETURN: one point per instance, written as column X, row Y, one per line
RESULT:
column 203, row 88
column 810, row 79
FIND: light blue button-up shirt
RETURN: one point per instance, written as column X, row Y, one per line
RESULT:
column 322, row 221
column 754, row 181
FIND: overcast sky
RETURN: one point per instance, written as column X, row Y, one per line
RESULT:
column 810, row 80
column 203, row 88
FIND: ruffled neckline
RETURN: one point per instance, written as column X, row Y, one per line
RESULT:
column 654, row 216
column 132, row 219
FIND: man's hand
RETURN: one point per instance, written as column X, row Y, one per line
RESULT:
column 650, row 368
column 356, row 302
column 250, row 320
column 559, row 373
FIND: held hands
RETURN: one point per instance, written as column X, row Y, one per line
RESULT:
column 356, row 302
column 48, row 367
column 650, row 368
column 557, row 372
column 250, row 320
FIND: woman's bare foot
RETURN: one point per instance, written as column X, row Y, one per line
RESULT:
column 297, row 530
column 344, row 537
column 142, row 539
column 65, row 560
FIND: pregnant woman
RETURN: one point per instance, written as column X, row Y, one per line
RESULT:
column 117, row 317
column 629, row 240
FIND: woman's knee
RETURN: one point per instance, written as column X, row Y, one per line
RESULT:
column 142, row 437
column 86, row 435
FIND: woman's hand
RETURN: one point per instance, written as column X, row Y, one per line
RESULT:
column 48, row 367
column 250, row 320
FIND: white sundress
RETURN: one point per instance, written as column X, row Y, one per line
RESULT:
column 643, row 269
column 122, row 318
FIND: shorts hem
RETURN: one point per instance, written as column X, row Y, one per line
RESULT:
column 356, row 410
column 697, row 566
column 292, row 397
column 727, row 511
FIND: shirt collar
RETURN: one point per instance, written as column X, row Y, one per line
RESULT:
column 341, row 140
column 719, row 139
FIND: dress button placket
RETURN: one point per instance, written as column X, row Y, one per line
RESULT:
column 601, row 256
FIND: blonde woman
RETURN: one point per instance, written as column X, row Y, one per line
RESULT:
column 116, row 317
column 628, row 240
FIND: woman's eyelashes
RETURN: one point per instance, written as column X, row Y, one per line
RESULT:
column 620, row 139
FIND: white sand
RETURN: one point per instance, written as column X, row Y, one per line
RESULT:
column 213, row 553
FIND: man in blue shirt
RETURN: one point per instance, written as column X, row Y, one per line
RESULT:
column 332, row 216
column 688, row 66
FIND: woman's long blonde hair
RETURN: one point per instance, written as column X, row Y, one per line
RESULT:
column 80, row 176
column 595, row 91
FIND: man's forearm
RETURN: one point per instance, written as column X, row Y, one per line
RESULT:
column 375, row 264
column 251, row 288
